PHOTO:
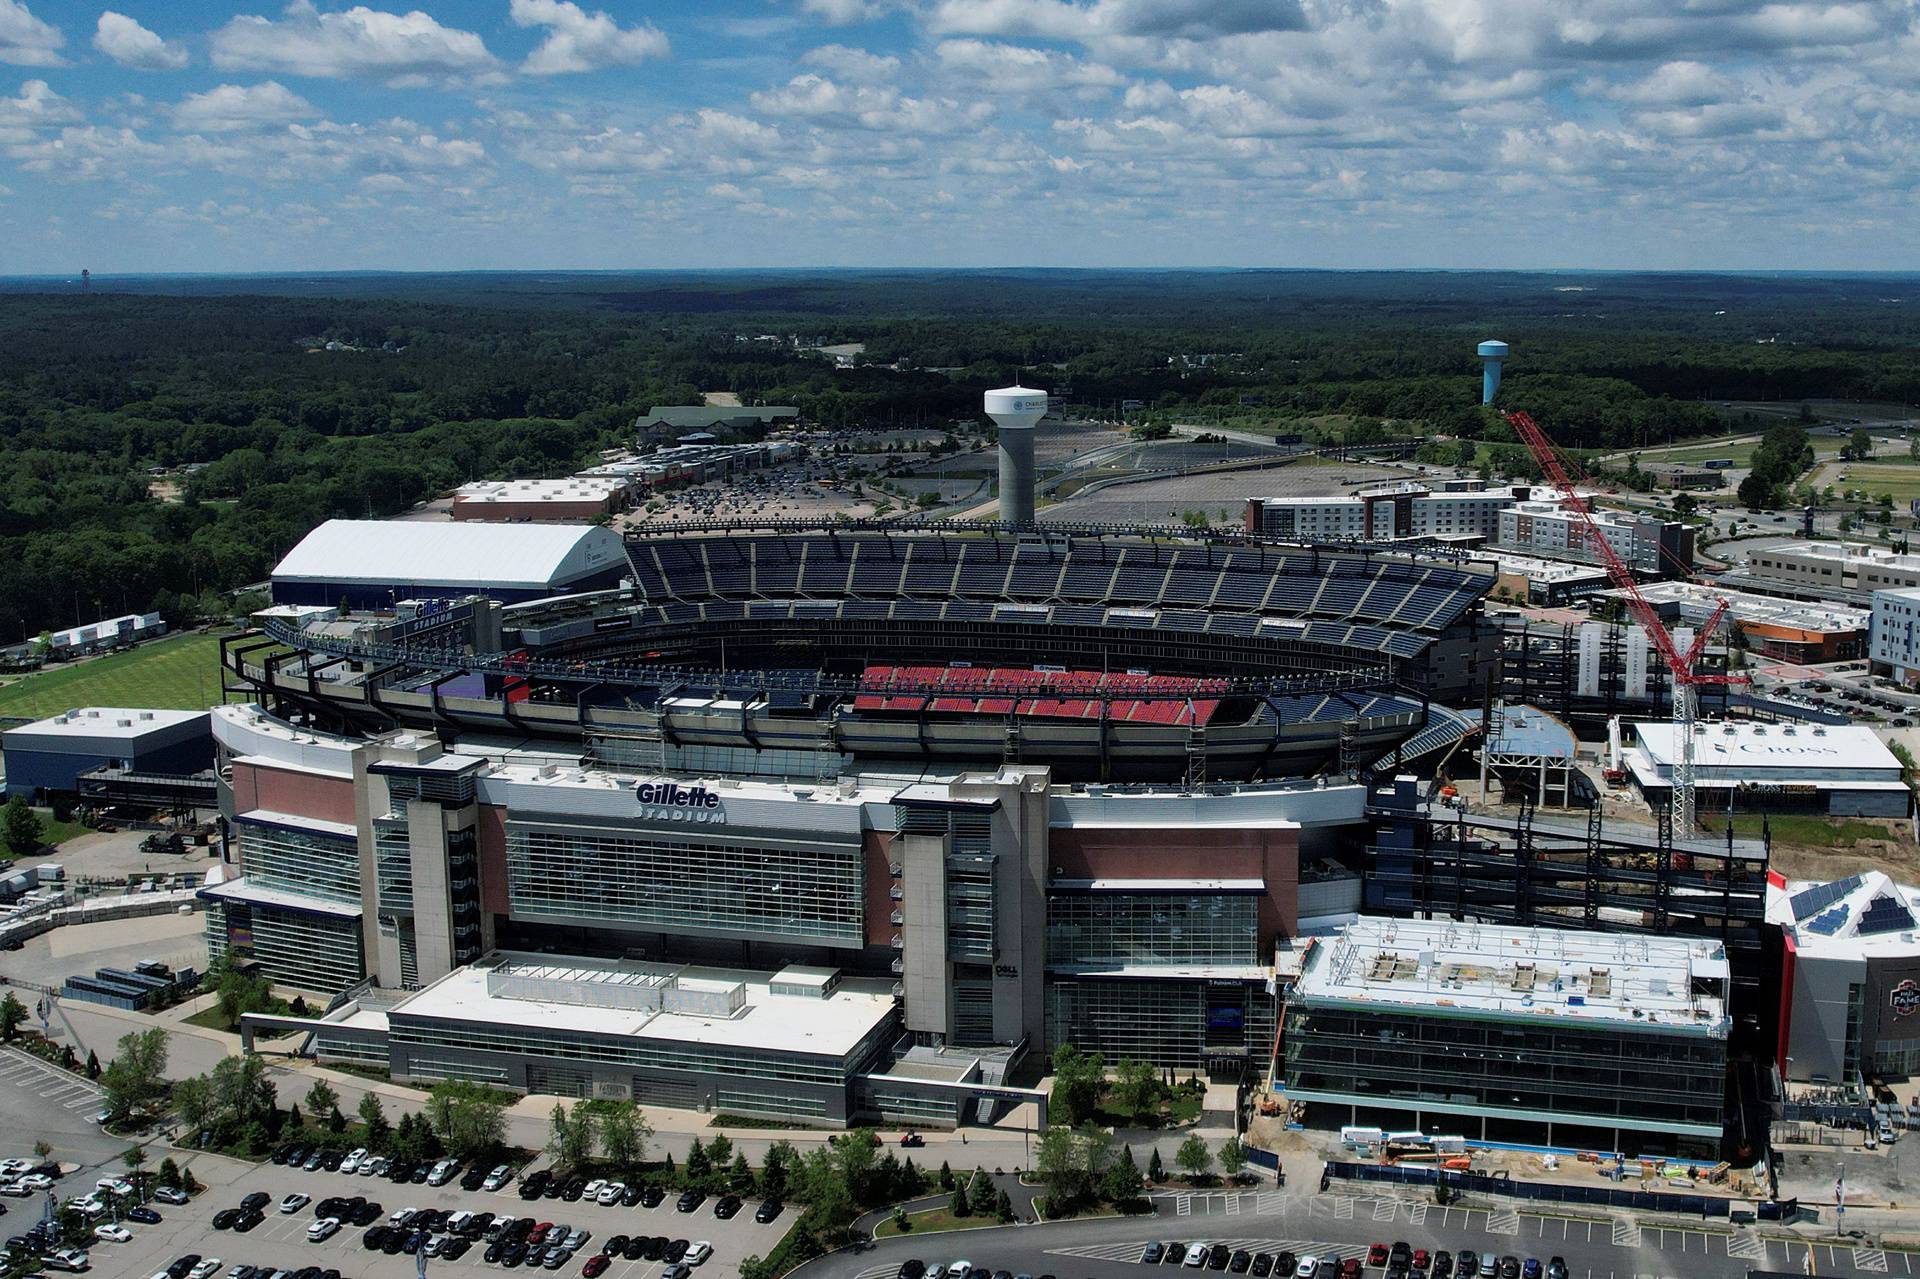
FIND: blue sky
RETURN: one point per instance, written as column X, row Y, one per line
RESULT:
column 215, row 135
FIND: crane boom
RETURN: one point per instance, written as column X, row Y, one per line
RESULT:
column 1686, row 678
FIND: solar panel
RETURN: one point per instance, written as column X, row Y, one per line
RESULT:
column 1831, row 922
column 1811, row 901
column 1885, row 915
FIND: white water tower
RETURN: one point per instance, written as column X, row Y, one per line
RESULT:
column 1016, row 410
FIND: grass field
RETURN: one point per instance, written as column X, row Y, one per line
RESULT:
column 1741, row 454
column 1899, row 480
column 180, row 672
column 933, row 1222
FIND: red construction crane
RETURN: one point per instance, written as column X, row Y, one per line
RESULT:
column 1687, row 678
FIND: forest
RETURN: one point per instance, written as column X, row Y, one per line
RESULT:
column 295, row 399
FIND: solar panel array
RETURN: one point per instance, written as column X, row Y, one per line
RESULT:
column 1885, row 915
column 1811, row 901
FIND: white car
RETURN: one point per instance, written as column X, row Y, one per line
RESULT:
column 171, row 1195
column 1196, row 1255
column 295, row 1202
column 111, row 1233
column 116, row 1186
column 499, row 1177
column 87, row 1206
column 36, row 1181
column 377, row 1167
column 322, row 1229
column 67, row 1259
column 14, row 1167
column 206, row 1269
column 1308, row 1267
column 398, row 1215
column 594, row 1188
column 12, row 1186
column 610, row 1194
column 698, row 1253
column 959, row 1269
column 352, row 1162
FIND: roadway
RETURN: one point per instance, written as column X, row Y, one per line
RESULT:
column 1344, row 1224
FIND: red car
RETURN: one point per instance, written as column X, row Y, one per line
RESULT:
column 539, row 1233
column 596, row 1265
column 1350, row 1268
column 1377, row 1255
column 1421, row 1259
column 912, row 1139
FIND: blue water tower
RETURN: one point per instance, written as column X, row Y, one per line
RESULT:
column 1491, row 354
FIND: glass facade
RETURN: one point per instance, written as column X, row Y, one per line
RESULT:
column 393, row 863
column 1597, row 1075
column 751, row 887
column 301, row 861
column 1176, row 1024
column 1134, row 929
column 310, row 951
column 970, row 912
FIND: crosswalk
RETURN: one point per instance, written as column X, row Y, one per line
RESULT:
column 1626, row 1232
column 1747, row 1244
column 1870, row 1257
column 1503, row 1221
column 48, row 1082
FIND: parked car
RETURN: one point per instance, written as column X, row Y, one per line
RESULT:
column 767, row 1211
column 111, row 1233
column 698, row 1254
column 295, row 1202
column 323, row 1229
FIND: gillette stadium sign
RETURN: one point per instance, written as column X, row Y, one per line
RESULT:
column 672, row 802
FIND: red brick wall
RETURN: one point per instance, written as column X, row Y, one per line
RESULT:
column 281, row 790
column 878, row 848
column 490, row 827
column 1155, row 852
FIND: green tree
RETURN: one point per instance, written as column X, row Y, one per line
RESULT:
column 13, row 1014
column 1860, row 443
column 1193, row 1157
column 945, row 1178
column 960, row 1206
column 1232, row 1158
column 1156, row 1171
column 1078, row 1079
column 469, row 1119
column 93, row 1064
column 623, row 1135
column 22, row 828
column 136, row 1079
column 699, row 1166
column 776, row 1173
column 373, row 1115
column 981, row 1188
column 321, row 1099
column 740, row 1175
column 1002, row 1208
column 570, row 1136
column 193, row 1103
column 1136, row 1089
column 1059, row 1164
column 1122, row 1184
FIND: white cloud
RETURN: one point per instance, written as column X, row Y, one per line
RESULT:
column 25, row 40
column 842, row 13
column 856, row 65
column 582, row 41
column 400, row 47
column 1146, row 19
column 132, row 45
column 230, row 108
column 1014, row 69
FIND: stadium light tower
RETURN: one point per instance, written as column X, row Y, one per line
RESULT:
column 1491, row 355
column 1016, row 410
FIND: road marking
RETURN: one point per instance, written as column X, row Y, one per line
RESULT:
column 1232, row 1205
column 1626, row 1232
column 1871, row 1258
column 1343, row 1207
column 1503, row 1221
column 1183, row 1205
column 1268, row 1201
column 1101, row 1252
column 1748, row 1244
column 1417, row 1214
column 1385, row 1209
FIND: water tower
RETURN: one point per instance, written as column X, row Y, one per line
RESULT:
column 1016, row 410
column 1491, row 354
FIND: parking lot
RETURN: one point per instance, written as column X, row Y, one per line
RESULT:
column 281, row 1240
column 49, row 1103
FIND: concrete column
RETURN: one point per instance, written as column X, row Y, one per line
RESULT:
column 1016, row 474
column 925, row 973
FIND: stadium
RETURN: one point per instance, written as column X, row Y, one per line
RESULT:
column 1110, row 655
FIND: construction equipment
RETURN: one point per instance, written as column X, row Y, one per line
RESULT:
column 1686, row 678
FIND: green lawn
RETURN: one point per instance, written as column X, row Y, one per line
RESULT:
column 933, row 1222
column 1801, row 828
column 1741, row 455
column 1899, row 480
column 180, row 672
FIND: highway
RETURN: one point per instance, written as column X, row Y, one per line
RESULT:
column 1343, row 1224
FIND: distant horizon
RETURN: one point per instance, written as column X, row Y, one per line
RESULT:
column 426, row 272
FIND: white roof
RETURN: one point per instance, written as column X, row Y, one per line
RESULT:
column 476, row 556
column 831, row 1026
column 575, row 489
column 108, row 721
column 1495, row 972
column 1863, row 916
column 1736, row 750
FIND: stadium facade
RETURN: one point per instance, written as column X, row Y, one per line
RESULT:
column 1028, row 789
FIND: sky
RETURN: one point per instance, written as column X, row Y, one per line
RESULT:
column 230, row 135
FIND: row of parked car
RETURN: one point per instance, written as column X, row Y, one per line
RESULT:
column 364, row 1163
column 194, row 1266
